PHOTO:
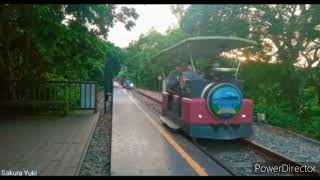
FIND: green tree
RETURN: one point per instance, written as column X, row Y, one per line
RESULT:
column 286, row 34
column 215, row 20
column 58, row 41
column 293, row 31
column 140, row 52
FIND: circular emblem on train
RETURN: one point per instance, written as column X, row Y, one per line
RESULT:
column 225, row 101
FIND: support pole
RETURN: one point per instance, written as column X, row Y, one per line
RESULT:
column 108, row 86
column 238, row 70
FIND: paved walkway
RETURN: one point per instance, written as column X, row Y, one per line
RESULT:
column 137, row 147
column 47, row 145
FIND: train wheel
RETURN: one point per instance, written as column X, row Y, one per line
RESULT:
column 194, row 140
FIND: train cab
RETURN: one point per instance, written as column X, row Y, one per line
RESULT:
column 209, row 105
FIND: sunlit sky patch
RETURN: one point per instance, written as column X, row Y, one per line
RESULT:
column 158, row 17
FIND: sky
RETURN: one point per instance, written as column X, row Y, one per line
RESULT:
column 158, row 16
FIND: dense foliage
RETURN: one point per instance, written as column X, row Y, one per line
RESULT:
column 281, row 75
column 58, row 42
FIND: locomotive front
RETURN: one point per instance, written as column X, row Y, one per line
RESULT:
column 221, row 90
column 214, row 106
column 223, row 94
column 224, row 101
column 209, row 105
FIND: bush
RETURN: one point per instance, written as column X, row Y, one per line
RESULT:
column 279, row 116
column 311, row 111
column 313, row 128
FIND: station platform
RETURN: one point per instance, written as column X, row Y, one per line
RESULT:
column 140, row 148
column 45, row 145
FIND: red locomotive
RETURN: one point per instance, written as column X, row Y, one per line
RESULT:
column 205, row 106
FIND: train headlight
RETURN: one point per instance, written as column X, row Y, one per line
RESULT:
column 225, row 101
column 131, row 84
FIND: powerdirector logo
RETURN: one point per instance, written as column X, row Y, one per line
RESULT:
column 279, row 168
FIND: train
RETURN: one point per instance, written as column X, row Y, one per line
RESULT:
column 209, row 106
column 126, row 83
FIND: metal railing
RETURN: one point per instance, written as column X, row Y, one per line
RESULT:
column 81, row 95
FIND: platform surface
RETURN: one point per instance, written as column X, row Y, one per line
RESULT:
column 48, row 145
column 138, row 148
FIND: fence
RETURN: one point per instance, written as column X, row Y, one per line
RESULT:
column 80, row 95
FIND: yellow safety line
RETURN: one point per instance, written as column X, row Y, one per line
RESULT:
column 195, row 166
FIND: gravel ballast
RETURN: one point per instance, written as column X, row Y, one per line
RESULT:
column 97, row 160
column 290, row 145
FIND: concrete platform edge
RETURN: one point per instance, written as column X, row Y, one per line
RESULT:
column 95, row 119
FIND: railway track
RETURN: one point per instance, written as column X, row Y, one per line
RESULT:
column 249, row 152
